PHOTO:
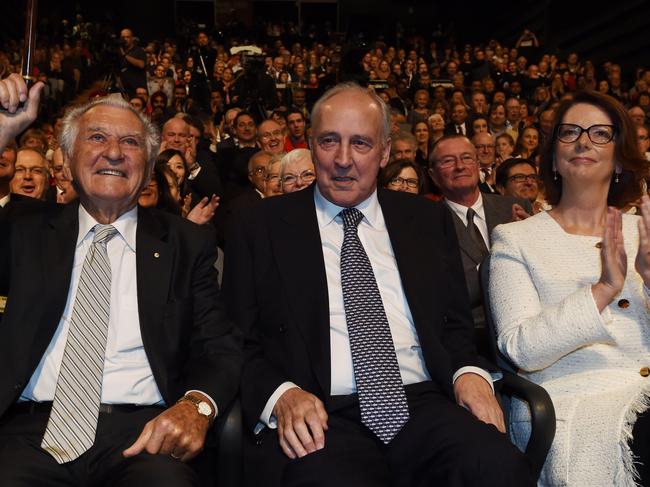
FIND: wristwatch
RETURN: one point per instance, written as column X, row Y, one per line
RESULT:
column 204, row 408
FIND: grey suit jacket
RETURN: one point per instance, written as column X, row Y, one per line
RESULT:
column 498, row 209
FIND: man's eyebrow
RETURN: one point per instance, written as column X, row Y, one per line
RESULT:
column 327, row 134
column 104, row 131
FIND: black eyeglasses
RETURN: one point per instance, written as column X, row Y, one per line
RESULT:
column 598, row 134
column 520, row 178
column 398, row 181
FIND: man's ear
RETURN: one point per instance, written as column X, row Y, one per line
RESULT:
column 385, row 155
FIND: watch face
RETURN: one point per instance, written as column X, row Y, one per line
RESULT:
column 205, row 409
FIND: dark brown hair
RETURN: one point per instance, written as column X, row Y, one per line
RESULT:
column 626, row 151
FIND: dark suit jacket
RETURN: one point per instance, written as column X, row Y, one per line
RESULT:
column 498, row 209
column 276, row 290
column 189, row 341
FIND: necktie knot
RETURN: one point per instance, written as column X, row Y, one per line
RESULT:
column 103, row 233
column 470, row 216
column 351, row 218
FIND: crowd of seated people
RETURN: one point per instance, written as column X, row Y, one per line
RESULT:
column 470, row 126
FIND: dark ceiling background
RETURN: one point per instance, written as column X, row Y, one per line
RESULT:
column 619, row 31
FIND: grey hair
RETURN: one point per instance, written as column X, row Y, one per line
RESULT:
column 407, row 137
column 353, row 87
column 70, row 126
column 294, row 156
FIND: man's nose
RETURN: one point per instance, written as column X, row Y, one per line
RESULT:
column 113, row 150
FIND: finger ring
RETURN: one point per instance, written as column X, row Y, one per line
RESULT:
column 174, row 456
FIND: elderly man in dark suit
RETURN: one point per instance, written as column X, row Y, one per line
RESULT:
column 360, row 369
column 115, row 355
column 454, row 167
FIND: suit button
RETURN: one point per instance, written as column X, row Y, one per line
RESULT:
column 645, row 371
column 599, row 245
column 18, row 387
column 258, row 440
column 282, row 329
column 623, row 303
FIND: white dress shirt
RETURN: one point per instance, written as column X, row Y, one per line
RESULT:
column 127, row 378
column 4, row 200
column 376, row 242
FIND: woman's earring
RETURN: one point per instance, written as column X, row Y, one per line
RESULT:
column 617, row 173
column 555, row 176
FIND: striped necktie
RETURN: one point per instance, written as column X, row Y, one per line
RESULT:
column 73, row 419
column 382, row 398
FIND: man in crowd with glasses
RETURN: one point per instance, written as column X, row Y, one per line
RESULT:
column 454, row 167
column 518, row 178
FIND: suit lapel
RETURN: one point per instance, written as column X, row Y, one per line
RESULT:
column 154, row 262
column 57, row 250
column 297, row 248
column 494, row 213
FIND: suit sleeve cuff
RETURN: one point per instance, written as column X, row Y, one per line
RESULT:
column 267, row 417
column 474, row 370
column 214, row 404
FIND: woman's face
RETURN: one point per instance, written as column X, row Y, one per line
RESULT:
column 177, row 166
column 421, row 132
column 530, row 139
column 582, row 160
column 437, row 122
column 227, row 74
column 409, row 178
column 479, row 125
column 384, row 67
column 440, row 110
column 603, row 86
column 421, row 100
column 504, row 148
column 149, row 195
column 187, row 76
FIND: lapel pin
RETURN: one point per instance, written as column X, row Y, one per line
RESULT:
column 156, row 255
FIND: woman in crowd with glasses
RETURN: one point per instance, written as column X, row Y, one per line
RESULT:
column 402, row 175
column 297, row 170
column 569, row 292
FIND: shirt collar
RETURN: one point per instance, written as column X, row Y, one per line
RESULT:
column 125, row 225
column 461, row 210
column 326, row 211
column 4, row 200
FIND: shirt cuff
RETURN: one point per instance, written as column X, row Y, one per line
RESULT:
column 267, row 417
column 474, row 370
column 214, row 404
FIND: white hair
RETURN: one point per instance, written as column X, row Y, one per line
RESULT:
column 70, row 126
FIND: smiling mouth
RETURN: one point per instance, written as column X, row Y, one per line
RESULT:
column 111, row 172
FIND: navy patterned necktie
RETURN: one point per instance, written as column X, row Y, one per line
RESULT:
column 382, row 399
column 73, row 419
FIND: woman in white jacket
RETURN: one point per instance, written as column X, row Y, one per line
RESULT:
column 569, row 290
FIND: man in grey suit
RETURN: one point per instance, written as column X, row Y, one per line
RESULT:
column 454, row 167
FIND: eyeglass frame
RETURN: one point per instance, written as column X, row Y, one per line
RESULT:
column 583, row 130
column 307, row 176
column 465, row 159
column 517, row 178
column 410, row 182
